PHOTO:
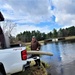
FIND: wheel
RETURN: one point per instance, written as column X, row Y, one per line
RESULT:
column 1, row 73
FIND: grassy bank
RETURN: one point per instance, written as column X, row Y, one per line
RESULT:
column 34, row 71
column 70, row 38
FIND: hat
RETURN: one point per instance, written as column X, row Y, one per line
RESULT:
column 33, row 37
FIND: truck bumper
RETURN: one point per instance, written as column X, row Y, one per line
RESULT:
column 35, row 61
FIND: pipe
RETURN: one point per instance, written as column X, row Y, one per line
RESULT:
column 39, row 53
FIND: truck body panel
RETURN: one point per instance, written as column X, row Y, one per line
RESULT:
column 11, row 59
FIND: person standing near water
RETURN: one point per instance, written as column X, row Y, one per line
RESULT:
column 35, row 46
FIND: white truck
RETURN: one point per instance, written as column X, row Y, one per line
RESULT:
column 15, row 59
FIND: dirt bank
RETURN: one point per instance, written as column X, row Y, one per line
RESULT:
column 34, row 71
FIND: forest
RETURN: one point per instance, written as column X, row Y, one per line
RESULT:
column 62, row 32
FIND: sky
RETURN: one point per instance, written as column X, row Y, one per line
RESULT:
column 42, row 15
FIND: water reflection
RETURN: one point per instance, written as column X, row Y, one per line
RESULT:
column 63, row 61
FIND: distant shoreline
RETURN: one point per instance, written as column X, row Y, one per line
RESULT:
column 58, row 39
column 69, row 38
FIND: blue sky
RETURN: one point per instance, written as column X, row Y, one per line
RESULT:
column 42, row 15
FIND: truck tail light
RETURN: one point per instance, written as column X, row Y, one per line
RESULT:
column 24, row 55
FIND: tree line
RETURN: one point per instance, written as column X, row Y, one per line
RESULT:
column 62, row 32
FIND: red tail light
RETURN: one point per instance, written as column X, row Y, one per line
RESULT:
column 24, row 55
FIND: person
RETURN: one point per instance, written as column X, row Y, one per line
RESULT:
column 35, row 46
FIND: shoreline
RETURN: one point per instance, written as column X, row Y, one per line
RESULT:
column 42, row 42
column 58, row 39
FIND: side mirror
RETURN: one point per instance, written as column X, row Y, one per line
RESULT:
column 1, row 17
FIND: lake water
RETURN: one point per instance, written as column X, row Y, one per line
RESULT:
column 63, row 60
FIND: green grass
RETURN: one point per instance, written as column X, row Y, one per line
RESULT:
column 28, row 47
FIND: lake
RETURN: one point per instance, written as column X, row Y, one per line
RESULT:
column 63, row 60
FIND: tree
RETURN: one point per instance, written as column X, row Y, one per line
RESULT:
column 43, row 36
column 71, row 31
column 62, row 33
column 8, row 27
column 55, row 33
column 27, row 35
column 49, row 35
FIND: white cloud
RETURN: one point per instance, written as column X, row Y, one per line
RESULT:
column 36, row 11
column 29, row 10
column 6, row 6
column 65, row 12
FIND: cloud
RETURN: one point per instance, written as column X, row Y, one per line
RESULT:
column 34, row 12
column 29, row 10
column 64, row 12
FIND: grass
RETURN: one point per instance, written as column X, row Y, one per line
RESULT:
column 41, row 42
column 28, row 47
column 70, row 38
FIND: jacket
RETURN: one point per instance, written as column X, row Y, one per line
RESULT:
column 35, row 45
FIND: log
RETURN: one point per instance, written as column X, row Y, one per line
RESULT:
column 39, row 53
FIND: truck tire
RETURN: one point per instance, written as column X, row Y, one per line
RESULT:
column 2, row 70
column 1, row 73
